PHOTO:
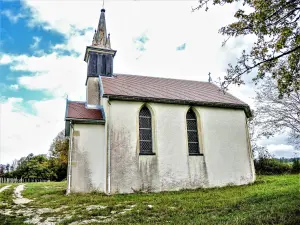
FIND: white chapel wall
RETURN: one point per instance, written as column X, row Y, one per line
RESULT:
column 226, row 147
column 226, row 157
column 88, row 158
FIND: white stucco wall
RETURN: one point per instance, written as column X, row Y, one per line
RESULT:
column 88, row 158
column 223, row 136
column 226, row 147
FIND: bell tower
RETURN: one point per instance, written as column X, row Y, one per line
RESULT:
column 99, row 57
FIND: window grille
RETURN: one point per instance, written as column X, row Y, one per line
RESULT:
column 192, row 133
column 145, row 132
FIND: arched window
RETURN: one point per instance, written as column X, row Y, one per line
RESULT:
column 145, row 132
column 192, row 133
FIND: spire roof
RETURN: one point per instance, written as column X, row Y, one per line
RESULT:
column 101, row 39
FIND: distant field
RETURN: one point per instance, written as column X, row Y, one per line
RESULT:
column 271, row 200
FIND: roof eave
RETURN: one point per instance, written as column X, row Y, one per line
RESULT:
column 245, row 107
column 98, row 50
column 85, row 121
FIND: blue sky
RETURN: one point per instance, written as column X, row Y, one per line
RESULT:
column 41, row 59
column 17, row 38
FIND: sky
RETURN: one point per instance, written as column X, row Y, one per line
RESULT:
column 42, row 46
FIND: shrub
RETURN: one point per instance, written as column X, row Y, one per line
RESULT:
column 296, row 166
column 269, row 166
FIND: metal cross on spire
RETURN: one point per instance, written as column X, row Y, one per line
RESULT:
column 209, row 78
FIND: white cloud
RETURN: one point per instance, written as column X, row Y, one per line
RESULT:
column 14, row 87
column 14, row 18
column 5, row 59
column 282, row 150
column 280, row 147
column 23, row 133
column 36, row 42
column 57, row 75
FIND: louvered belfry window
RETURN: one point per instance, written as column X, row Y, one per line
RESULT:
column 145, row 132
column 192, row 133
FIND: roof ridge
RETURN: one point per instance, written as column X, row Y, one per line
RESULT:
column 79, row 102
column 167, row 78
column 205, row 82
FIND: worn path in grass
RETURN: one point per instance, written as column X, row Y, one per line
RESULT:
column 4, row 188
column 18, row 198
column 271, row 200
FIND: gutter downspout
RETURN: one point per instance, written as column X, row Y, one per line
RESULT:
column 70, row 160
column 108, row 150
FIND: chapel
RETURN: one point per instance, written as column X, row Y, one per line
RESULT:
column 143, row 133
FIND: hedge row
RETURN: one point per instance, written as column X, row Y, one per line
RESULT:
column 269, row 166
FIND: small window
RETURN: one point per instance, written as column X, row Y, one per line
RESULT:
column 145, row 132
column 192, row 133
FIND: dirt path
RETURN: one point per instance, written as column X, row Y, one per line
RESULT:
column 18, row 196
column 4, row 188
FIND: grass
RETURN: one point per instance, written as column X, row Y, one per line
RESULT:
column 2, row 185
column 270, row 200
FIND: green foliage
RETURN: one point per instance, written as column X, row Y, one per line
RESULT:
column 276, row 51
column 12, row 220
column 59, row 157
column 60, row 151
column 296, row 166
column 32, row 167
column 270, row 166
column 2, row 170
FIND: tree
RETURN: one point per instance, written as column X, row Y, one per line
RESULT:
column 32, row 167
column 14, row 165
column 7, row 168
column 59, row 156
column 60, row 147
column 59, row 137
column 254, row 134
column 276, row 52
column 2, row 170
column 274, row 115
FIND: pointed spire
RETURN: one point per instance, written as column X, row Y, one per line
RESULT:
column 100, row 37
column 107, row 45
column 94, row 39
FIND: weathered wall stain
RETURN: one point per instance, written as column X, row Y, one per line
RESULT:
column 148, row 173
column 88, row 158
column 80, row 179
column 132, row 172
column 123, row 168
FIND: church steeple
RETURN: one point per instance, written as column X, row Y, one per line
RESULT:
column 100, row 37
column 99, row 55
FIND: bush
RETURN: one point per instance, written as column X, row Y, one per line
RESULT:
column 296, row 166
column 269, row 166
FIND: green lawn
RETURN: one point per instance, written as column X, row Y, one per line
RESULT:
column 270, row 200
column 2, row 185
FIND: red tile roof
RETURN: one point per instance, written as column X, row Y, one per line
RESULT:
column 173, row 90
column 77, row 110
